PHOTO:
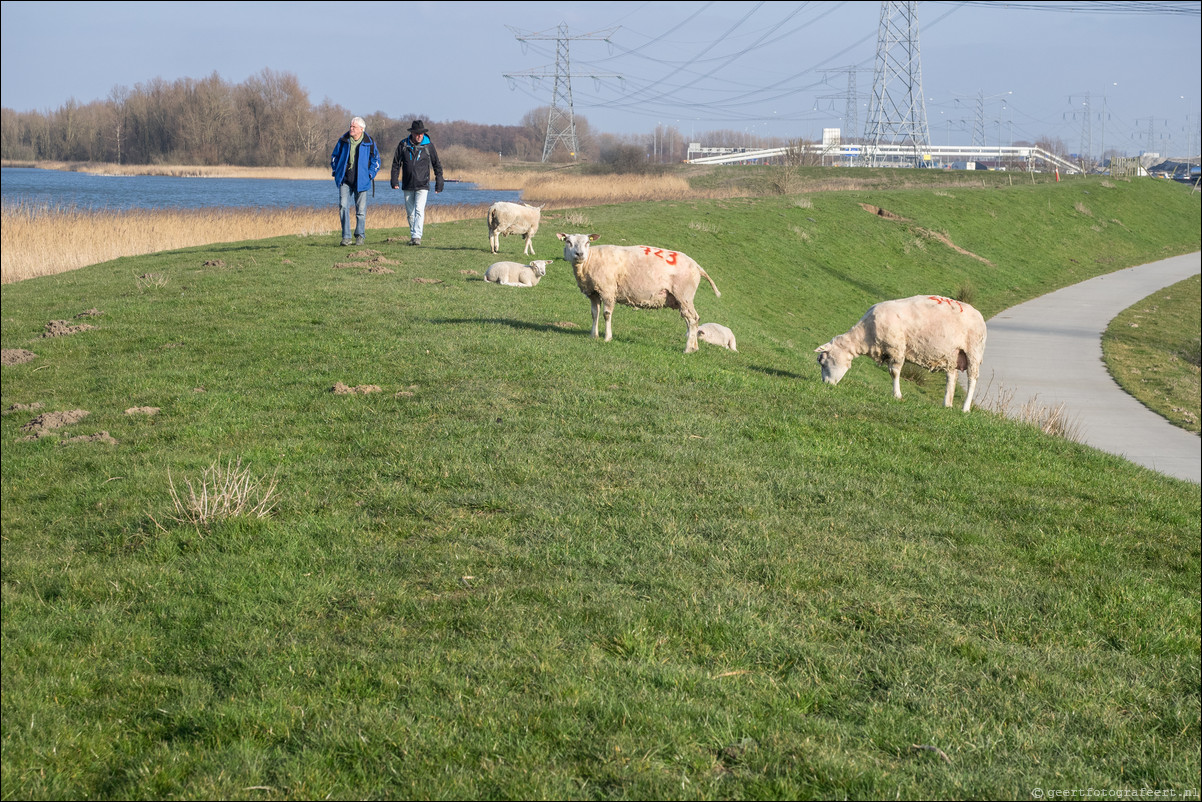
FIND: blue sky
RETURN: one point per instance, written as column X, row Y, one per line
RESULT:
column 772, row 68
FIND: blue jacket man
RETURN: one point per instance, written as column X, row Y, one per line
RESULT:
column 354, row 164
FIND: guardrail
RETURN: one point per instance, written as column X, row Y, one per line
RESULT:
column 907, row 154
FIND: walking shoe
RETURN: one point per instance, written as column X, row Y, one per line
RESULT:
column 346, row 242
column 415, row 242
column 359, row 240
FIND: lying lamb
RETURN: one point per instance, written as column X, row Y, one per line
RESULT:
column 716, row 334
column 512, row 274
column 506, row 218
column 635, row 275
column 929, row 330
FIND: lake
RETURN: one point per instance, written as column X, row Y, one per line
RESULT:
column 88, row 191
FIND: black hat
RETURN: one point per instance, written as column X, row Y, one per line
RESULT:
column 418, row 127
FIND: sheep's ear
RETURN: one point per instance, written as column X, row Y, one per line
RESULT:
column 561, row 236
column 822, row 349
column 593, row 237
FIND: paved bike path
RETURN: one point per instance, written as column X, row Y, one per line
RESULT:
column 1050, row 349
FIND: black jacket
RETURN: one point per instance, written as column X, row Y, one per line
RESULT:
column 411, row 165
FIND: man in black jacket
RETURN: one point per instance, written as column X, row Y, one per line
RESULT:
column 411, row 164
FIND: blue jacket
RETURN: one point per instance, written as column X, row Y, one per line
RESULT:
column 367, row 161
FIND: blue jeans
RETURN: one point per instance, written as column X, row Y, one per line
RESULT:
column 415, row 208
column 344, row 210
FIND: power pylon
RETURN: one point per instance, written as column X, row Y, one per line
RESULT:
column 897, row 112
column 851, row 107
column 561, row 119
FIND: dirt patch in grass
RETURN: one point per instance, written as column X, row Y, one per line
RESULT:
column 61, row 328
column 363, row 389
column 93, row 312
column 926, row 232
column 142, row 411
column 420, row 280
column 24, row 407
column 99, row 437
column 16, row 356
column 45, row 423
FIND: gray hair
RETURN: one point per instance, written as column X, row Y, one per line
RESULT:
column 362, row 122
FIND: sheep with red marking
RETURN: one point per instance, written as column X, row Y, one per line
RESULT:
column 505, row 218
column 929, row 330
column 640, row 276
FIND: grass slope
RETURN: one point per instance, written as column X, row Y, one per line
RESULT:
column 1152, row 349
column 536, row 565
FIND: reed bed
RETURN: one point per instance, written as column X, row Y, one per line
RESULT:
column 572, row 189
column 41, row 240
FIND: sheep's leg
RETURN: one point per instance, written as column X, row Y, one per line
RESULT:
column 951, row 388
column 596, row 304
column 690, row 318
column 972, row 386
column 609, row 313
column 895, row 371
column 529, row 249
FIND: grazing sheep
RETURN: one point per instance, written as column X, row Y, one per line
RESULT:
column 635, row 275
column 512, row 274
column 506, row 218
column 929, row 330
column 717, row 334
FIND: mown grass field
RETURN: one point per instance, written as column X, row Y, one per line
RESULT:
column 1152, row 350
column 535, row 565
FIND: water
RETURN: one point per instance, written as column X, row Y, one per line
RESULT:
column 87, row 191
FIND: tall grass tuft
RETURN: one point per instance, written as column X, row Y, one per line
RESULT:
column 222, row 491
column 1052, row 420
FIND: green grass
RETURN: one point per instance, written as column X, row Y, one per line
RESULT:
column 535, row 565
column 1152, row 350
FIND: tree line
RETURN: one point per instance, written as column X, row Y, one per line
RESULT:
column 266, row 120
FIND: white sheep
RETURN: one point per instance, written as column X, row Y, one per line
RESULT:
column 506, row 218
column 513, row 274
column 929, row 330
column 635, row 275
column 717, row 334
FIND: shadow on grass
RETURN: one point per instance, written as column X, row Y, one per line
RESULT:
column 780, row 374
column 521, row 325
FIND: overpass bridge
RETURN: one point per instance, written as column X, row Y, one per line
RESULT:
column 891, row 155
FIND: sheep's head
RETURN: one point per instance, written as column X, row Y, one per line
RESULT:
column 834, row 361
column 539, row 266
column 575, row 247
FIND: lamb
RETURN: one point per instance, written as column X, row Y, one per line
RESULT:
column 512, row 274
column 506, row 218
column 635, row 275
column 717, row 334
column 929, row 330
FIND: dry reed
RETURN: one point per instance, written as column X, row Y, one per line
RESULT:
column 1052, row 420
column 41, row 240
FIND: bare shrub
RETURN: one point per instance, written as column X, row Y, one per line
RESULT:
column 803, row 203
column 574, row 218
column 222, row 491
column 705, row 228
column 1083, row 209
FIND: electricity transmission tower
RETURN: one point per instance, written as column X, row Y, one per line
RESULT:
column 897, row 111
column 851, row 107
column 561, row 119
